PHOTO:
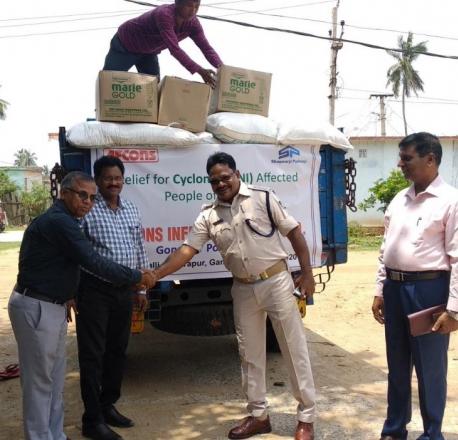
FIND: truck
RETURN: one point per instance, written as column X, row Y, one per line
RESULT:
column 195, row 304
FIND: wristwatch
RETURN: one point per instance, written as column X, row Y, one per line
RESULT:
column 453, row 315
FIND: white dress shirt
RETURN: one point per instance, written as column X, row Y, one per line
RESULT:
column 421, row 234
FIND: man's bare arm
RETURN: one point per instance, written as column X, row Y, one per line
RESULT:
column 305, row 281
column 175, row 261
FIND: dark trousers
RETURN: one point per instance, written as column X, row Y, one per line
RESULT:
column 103, row 330
column 427, row 353
column 120, row 59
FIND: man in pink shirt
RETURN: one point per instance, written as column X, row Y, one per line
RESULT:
column 139, row 40
column 418, row 269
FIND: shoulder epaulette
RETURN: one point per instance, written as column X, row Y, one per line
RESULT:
column 206, row 206
column 259, row 188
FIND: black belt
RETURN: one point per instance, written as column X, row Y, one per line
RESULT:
column 406, row 277
column 34, row 294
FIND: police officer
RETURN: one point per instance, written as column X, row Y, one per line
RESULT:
column 245, row 223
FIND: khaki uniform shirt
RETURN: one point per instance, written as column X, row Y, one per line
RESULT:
column 245, row 253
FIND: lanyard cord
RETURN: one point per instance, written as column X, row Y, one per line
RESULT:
column 269, row 213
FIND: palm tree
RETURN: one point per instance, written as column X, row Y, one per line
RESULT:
column 3, row 106
column 402, row 74
column 25, row 158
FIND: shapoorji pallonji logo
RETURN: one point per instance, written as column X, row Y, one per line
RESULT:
column 288, row 152
column 289, row 155
column 120, row 88
column 239, row 84
column 134, row 154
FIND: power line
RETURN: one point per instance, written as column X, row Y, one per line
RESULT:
column 416, row 97
column 58, row 32
column 305, row 34
column 425, row 102
column 264, row 12
column 66, row 21
column 354, row 98
column 242, row 12
column 65, row 15
column 249, row 25
column 444, row 37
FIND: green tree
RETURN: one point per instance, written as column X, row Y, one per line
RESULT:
column 36, row 201
column 3, row 106
column 401, row 75
column 25, row 158
column 7, row 186
column 45, row 170
column 384, row 191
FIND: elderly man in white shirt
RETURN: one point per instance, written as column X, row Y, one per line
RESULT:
column 418, row 269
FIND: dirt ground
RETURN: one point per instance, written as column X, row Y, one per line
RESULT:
column 179, row 387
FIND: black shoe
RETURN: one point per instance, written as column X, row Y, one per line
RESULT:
column 114, row 418
column 100, row 431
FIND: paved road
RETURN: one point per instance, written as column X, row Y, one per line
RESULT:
column 11, row 236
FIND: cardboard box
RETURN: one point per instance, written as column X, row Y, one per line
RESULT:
column 241, row 91
column 126, row 97
column 183, row 104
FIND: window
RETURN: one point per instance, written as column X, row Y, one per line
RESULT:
column 362, row 153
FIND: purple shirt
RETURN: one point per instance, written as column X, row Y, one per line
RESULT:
column 155, row 30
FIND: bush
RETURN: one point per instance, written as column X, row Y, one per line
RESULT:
column 36, row 201
column 7, row 186
column 384, row 191
column 363, row 238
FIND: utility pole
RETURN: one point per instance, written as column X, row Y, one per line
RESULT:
column 336, row 45
column 382, row 110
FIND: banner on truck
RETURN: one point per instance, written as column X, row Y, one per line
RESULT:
column 170, row 185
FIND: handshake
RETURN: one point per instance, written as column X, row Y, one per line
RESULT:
column 148, row 280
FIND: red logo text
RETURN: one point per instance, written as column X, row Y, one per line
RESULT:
column 133, row 154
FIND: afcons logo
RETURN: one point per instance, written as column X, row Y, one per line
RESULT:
column 288, row 152
column 134, row 154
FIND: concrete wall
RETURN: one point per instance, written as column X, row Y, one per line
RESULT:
column 24, row 177
column 376, row 157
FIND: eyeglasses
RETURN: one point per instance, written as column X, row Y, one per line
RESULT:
column 83, row 195
column 223, row 179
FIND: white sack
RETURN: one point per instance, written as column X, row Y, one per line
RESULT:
column 241, row 128
column 95, row 134
column 312, row 133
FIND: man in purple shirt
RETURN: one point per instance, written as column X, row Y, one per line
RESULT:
column 139, row 40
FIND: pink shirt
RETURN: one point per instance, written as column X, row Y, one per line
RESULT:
column 421, row 233
column 155, row 31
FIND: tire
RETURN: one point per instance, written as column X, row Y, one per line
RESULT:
column 197, row 320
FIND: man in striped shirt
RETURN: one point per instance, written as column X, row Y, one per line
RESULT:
column 104, row 310
column 139, row 40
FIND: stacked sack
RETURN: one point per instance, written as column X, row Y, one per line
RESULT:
column 134, row 110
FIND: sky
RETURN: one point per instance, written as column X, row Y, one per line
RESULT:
column 51, row 52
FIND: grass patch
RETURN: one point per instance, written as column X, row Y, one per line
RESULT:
column 15, row 228
column 9, row 246
column 362, row 239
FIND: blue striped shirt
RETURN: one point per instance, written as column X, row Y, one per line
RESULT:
column 116, row 234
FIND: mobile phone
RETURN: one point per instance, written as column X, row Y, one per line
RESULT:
column 308, row 299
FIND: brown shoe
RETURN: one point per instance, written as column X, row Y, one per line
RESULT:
column 304, row 431
column 250, row 426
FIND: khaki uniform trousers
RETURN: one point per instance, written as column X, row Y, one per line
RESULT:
column 252, row 303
